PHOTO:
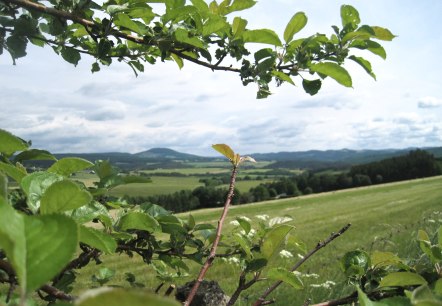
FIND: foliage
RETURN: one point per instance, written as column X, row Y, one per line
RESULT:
column 140, row 33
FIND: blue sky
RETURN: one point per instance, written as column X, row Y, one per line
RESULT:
column 64, row 108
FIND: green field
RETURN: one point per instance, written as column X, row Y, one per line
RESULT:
column 384, row 217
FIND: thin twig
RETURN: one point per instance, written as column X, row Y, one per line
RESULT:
column 319, row 246
column 212, row 254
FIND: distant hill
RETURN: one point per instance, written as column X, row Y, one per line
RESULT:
column 168, row 154
column 313, row 159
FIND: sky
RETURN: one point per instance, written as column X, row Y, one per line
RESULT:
column 63, row 108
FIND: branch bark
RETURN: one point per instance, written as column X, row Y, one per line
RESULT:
column 262, row 299
column 219, row 228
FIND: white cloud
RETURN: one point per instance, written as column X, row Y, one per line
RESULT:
column 429, row 102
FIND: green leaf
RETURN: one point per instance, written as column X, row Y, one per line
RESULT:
column 334, row 71
column 63, row 196
column 93, row 210
column 383, row 33
column 35, row 185
column 12, row 239
column 118, row 297
column 10, row 143
column 97, row 239
column 239, row 5
column 355, row 263
column 349, row 16
column 182, row 35
column 243, row 244
column 16, row 173
column 178, row 60
column 51, row 242
column 311, row 87
column 34, row 154
column 16, row 45
column 364, row 64
column 371, row 46
column 238, row 26
column 171, row 224
column 244, row 224
column 274, row 239
column 256, row 264
column 224, row 150
column 296, row 24
column 263, row 36
column 70, row 55
column 402, row 279
column 68, row 165
column 139, row 221
column 440, row 236
column 213, row 25
column 3, row 187
column 283, row 77
column 383, row 259
column 288, row 277
column 124, row 20
column 365, row 301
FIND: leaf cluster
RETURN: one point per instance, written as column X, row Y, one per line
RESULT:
column 140, row 33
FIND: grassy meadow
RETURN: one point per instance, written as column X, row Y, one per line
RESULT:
column 383, row 217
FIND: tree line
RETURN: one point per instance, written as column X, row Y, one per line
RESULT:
column 416, row 164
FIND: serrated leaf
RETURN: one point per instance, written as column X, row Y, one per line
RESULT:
column 139, row 221
column 283, row 77
column 263, row 36
column 349, row 15
column 382, row 259
column 213, row 25
column 288, row 277
column 10, row 143
column 51, row 242
column 296, row 24
column 244, row 245
column 383, row 33
column 333, row 70
column 124, row 20
column 274, row 239
column 35, row 185
column 182, row 35
column 68, row 165
column 238, row 26
column 34, row 154
column 224, row 150
column 402, row 279
column 364, row 64
column 97, row 239
column 311, row 87
column 178, row 60
column 12, row 171
column 118, row 297
column 63, row 196
column 70, row 55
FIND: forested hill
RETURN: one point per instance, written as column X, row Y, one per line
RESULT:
column 314, row 159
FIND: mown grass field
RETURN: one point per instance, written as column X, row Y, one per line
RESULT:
column 383, row 217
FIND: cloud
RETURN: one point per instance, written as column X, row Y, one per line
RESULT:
column 429, row 102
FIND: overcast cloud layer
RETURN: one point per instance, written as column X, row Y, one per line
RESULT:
column 66, row 109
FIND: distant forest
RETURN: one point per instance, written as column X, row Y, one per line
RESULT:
column 415, row 164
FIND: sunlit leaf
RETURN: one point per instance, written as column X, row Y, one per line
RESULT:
column 288, row 277
column 296, row 24
column 224, row 150
column 364, row 64
column 349, row 15
column 97, row 239
column 274, row 240
column 68, row 165
column 334, row 71
column 383, row 33
column 402, row 279
column 139, row 221
column 63, row 196
column 10, row 143
column 263, row 36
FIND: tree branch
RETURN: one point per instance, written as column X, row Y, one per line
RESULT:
column 212, row 254
column 319, row 246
